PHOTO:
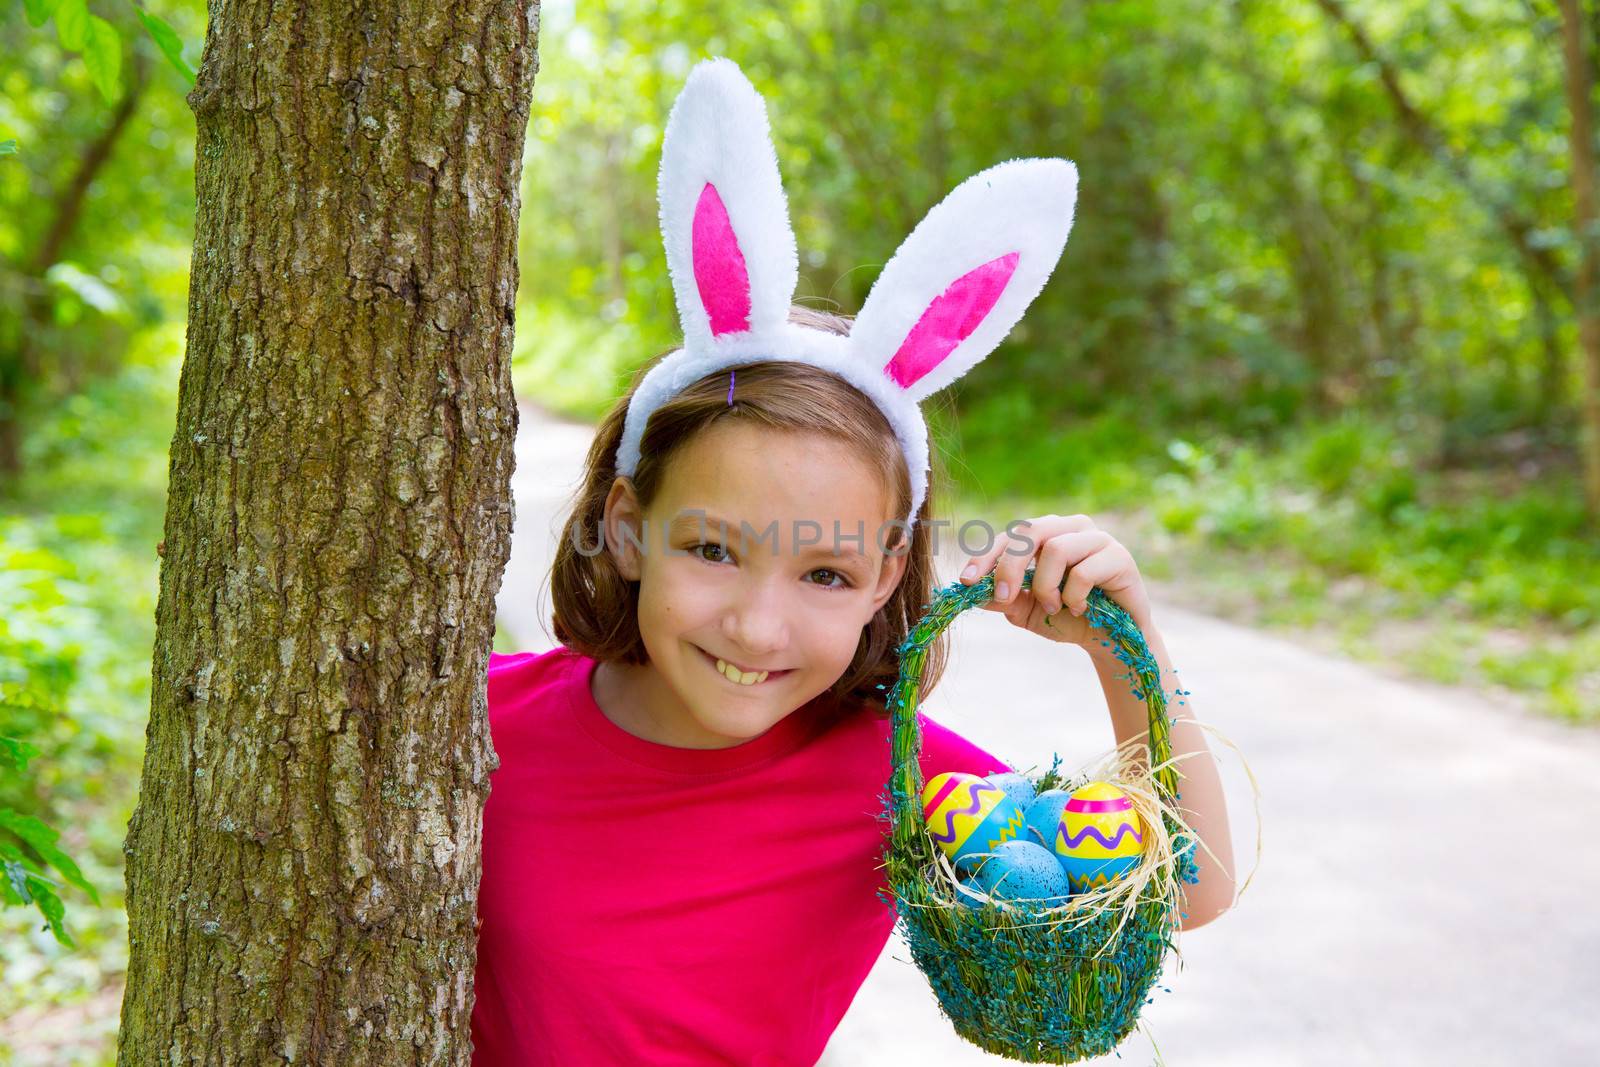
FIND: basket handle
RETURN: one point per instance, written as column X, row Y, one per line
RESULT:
column 1103, row 613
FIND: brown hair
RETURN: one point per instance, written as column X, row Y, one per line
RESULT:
column 596, row 609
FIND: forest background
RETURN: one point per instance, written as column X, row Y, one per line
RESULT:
column 1313, row 348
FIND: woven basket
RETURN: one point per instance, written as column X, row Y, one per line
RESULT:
column 1039, row 986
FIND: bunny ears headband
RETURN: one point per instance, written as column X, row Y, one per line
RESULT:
column 951, row 293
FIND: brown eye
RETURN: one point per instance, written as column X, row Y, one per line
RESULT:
column 843, row 583
column 718, row 549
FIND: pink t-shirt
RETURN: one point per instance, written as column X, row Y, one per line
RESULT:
column 644, row 904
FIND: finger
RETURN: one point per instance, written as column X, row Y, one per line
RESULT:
column 1058, row 553
column 1001, row 542
column 981, row 563
column 1099, row 567
column 1014, row 557
column 1022, row 608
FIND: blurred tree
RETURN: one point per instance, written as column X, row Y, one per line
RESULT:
column 88, row 199
column 302, row 866
column 22, row 362
column 1580, row 87
column 1521, row 229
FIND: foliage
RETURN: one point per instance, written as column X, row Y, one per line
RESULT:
column 95, row 210
column 77, row 619
column 100, row 43
column 28, row 847
column 1258, row 239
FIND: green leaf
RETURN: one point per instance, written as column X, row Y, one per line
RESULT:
column 13, row 750
column 102, row 54
column 86, row 287
column 39, row 11
column 8, row 147
column 72, row 24
column 50, row 905
column 39, row 837
column 17, row 879
column 169, row 42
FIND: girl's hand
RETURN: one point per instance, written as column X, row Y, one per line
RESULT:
column 1094, row 557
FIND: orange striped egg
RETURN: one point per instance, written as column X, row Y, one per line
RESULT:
column 967, row 815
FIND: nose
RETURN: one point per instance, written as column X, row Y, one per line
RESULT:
column 756, row 623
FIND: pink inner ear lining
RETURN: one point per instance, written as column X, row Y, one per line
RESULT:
column 719, row 269
column 950, row 319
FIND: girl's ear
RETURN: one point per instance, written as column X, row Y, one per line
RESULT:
column 724, row 219
column 962, row 279
column 889, row 578
column 622, row 522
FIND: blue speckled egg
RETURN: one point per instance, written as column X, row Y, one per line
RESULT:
column 1044, row 815
column 1017, row 787
column 1022, row 870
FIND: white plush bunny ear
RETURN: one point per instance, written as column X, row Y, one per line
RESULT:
column 966, row 274
column 724, row 219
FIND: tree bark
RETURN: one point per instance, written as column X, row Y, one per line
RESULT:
column 303, row 862
column 1579, row 87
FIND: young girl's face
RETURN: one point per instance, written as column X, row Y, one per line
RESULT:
column 771, row 600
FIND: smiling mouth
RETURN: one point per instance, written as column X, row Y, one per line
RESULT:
column 740, row 677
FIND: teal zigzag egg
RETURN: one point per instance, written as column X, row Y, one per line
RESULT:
column 1017, row 787
column 1044, row 815
column 967, row 814
column 1022, row 870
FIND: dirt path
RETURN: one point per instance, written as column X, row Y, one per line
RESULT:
column 1430, row 871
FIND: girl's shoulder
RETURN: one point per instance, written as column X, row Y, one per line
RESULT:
column 525, row 668
column 521, row 683
column 943, row 749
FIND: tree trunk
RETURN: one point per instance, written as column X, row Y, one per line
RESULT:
column 1583, row 193
column 303, row 861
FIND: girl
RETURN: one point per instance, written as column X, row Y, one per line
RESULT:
column 682, row 845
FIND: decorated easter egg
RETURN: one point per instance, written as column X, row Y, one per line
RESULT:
column 1022, row 870
column 1017, row 787
column 1044, row 816
column 1100, row 836
column 967, row 814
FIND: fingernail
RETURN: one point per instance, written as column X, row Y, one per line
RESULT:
column 971, row 571
column 1077, row 610
column 1002, row 591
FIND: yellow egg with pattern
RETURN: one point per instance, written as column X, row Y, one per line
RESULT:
column 1100, row 836
column 967, row 815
